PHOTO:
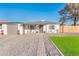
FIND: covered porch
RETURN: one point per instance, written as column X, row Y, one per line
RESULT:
column 34, row 28
column 38, row 27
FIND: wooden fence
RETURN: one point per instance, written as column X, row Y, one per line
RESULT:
column 68, row 29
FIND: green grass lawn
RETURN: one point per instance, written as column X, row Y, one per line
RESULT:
column 68, row 45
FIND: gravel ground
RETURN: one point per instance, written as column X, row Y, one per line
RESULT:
column 27, row 45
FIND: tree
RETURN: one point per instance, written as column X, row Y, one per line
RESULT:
column 70, row 11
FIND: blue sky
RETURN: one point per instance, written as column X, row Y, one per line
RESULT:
column 27, row 12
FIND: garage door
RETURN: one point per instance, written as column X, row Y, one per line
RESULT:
column 12, row 29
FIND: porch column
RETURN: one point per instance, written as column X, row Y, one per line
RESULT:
column 37, row 28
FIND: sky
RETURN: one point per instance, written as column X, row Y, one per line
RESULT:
column 28, row 12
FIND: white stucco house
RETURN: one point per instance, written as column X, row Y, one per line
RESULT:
column 38, row 27
column 30, row 27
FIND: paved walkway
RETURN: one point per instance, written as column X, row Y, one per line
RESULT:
column 27, row 45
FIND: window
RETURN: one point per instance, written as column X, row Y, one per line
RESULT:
column 25, row 26
column 52, row 27
column 32, row 27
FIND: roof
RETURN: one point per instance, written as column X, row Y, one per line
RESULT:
column 2, row 21
column 35, row 22
column 41, row 22
column 14, row 22
column 7, row 22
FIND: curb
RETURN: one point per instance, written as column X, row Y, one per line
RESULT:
column 56, row 47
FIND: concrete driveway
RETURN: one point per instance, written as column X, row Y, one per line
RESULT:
column 27, row 45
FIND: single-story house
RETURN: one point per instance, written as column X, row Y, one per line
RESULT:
column 30, row 27
column 35, row 27
column 38, row 27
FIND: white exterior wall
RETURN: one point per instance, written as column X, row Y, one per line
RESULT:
column 45, row 28
column 57, row 27
column 27, row 31
column 48, row 30
column 20, row 28
column 31, row 31
column 4, row 28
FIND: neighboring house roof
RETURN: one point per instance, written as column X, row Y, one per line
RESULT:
column 41, row 22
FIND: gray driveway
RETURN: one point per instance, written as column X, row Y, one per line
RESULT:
column 27, row 45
